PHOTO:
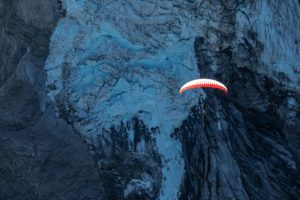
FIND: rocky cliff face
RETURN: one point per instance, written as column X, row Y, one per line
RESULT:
column 249, row 139
column 90, row 106
column 41, row 156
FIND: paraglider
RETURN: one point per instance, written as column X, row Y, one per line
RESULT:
column 203, row 83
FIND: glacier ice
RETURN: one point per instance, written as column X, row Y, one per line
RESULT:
column 111, row 68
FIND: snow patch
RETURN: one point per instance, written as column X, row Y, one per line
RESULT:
column 139, row 187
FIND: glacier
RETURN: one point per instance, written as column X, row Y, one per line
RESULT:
column 111, row 68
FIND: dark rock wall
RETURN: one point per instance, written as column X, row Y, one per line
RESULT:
column 41, row 157
column 257, row 123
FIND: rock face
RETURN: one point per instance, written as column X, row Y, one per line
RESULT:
column 248, row 144
column 90, row 106
column 41, row 156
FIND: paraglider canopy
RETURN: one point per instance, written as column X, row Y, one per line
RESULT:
column 203, row 83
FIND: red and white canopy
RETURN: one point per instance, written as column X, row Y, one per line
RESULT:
column 203, row 83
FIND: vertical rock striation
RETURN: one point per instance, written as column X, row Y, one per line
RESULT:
column 247, row 144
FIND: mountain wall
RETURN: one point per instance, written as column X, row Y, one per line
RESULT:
column 90, row 106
